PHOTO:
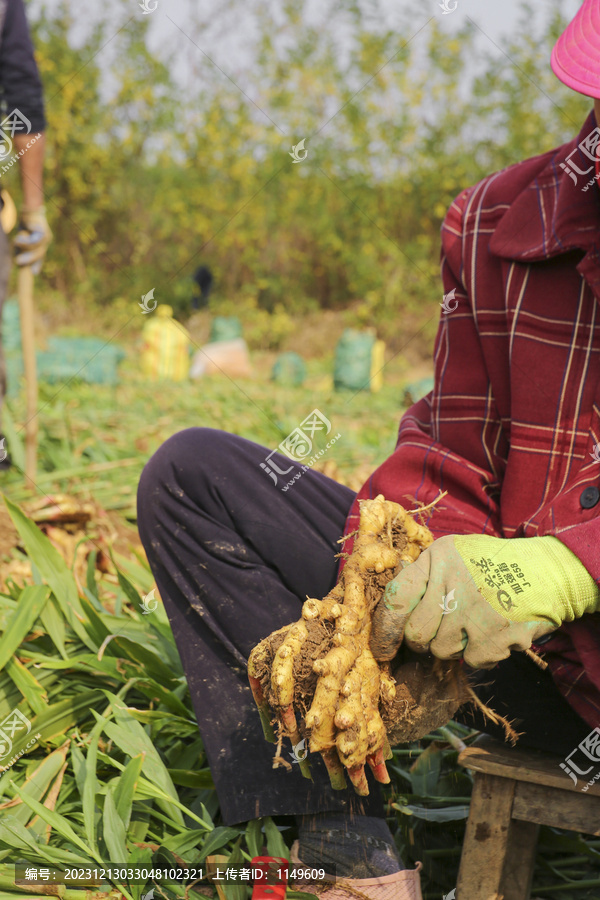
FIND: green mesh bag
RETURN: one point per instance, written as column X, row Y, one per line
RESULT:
column 11, row 326
column 289, row 369
column 353, row 361
column 225, row 328
column 90, row 359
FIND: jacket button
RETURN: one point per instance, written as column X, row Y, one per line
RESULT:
column 589, row 497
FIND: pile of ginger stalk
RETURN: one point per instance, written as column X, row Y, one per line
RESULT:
column 316, row 680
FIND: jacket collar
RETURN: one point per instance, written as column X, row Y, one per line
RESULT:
column 553, row 215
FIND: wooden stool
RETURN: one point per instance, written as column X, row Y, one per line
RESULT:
column 514, row 792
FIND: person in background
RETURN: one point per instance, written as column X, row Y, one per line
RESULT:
column 22, row 137
column 203, row 277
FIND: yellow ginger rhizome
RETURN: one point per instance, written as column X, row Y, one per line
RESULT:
column 317, row 680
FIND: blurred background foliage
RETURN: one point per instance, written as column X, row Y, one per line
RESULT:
column 147, row 178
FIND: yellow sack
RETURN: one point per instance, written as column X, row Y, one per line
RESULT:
column 165, row 350
column 377, row 364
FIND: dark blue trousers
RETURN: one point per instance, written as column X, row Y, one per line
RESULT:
column 234, row 557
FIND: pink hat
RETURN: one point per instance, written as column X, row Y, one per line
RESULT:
column 576, row 55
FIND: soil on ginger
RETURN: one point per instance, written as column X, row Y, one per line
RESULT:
column 428, row 691
column 320, row 634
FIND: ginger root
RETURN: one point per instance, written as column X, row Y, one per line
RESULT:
column 322, row 668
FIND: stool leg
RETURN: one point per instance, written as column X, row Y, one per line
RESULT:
column 520, row 860
column 486, row 839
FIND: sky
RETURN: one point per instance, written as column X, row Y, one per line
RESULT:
column 494, row 17
column 171, row 22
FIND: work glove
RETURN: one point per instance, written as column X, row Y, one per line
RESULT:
column 32, row 238
column 480, row 597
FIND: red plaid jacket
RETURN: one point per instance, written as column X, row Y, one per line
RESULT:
column 510, row 427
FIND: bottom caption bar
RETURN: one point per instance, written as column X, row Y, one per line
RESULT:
column 262, row 870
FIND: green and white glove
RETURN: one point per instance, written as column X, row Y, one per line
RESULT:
column 480, row 597
column 32, row 238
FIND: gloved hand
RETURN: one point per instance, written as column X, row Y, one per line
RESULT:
column 480, row 597
column 32, row 238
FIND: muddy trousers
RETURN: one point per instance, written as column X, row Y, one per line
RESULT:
column 234, row 557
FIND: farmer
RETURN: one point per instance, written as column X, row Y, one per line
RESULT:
column 203, row 279
column 21, row 137
column 511, row 431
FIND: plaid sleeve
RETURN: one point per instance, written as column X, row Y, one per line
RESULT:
column 446, row 441
column 584, row 541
